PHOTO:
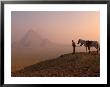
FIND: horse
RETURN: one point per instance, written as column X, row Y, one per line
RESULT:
column 88, row 44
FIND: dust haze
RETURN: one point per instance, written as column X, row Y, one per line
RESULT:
column 38, row 36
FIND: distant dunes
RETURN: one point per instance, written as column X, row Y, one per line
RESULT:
column 33, row 48
column 67, row 65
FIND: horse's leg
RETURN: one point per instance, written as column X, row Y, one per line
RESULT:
column 86, row 49
column 89, row 49
column 97, row 51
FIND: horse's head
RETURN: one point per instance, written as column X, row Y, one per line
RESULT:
column 80, row 41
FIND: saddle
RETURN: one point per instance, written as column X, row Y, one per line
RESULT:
column 88, row 43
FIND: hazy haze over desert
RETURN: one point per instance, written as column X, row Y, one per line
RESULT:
column 41, row 35
column 59, row 27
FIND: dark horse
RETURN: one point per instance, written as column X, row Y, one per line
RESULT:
column 88, row 44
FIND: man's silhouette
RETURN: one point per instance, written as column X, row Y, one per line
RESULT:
column 74, row 45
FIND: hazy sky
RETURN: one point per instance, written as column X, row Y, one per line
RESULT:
column 57, row 26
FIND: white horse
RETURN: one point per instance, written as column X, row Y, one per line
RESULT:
column 88, row 44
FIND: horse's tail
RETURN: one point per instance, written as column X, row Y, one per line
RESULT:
column 98, row 46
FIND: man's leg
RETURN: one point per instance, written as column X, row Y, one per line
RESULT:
column 74, row 49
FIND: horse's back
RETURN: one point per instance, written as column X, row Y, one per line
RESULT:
column 95, row 44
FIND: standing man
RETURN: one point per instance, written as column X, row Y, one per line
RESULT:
column 74, row 45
